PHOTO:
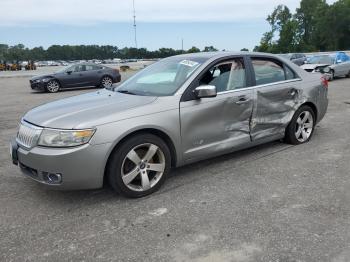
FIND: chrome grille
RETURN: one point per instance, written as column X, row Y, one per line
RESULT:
column 28, row 134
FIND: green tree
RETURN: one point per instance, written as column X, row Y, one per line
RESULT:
column 193, row 49
column 209, row 49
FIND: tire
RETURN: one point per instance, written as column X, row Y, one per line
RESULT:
column 106, row 82
column 348, row 75
column 53, row 86
column 130, row 167
column 331, row 78
column 301, row 129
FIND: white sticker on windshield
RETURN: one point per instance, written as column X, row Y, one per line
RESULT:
column 188, row 63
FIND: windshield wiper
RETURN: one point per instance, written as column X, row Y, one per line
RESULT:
column 126, row 92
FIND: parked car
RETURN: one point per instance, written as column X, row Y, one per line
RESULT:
column 333, row 65
column 78, row 75
column 179, row 110
column 296, row 58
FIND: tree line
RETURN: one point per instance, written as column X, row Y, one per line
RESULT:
column 86, row 52
column 314, row 26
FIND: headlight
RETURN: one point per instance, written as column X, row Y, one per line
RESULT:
column 65, row 138
column 327, row 69
column 317, row 69
column 45, row 79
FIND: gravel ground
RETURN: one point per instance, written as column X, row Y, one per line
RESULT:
column 275, row 202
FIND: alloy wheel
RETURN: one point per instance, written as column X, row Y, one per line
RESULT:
column 304, row 126
column 53, row 86
column 106, row 82
column 143, row 167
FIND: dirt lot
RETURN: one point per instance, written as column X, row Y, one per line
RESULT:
column 272, row 203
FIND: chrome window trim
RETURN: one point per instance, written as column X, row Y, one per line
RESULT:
column 258, row 86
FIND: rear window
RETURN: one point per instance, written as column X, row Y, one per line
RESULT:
column 269, row 71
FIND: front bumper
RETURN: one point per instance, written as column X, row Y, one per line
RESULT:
column 79, row 167
column 37, row 85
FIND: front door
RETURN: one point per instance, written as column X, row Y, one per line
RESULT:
column 73, row 77
column 212, row 126
column 277, row 94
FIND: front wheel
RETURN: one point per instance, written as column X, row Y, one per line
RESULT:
column 52, row 86
column 301, row 127
column 331, row 77
column 106, row 82
column 139, row 166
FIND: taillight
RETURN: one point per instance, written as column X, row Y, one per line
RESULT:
column 116, row 70
column 324, row 81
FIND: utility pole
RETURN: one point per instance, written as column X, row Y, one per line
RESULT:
column 133, row 4
column 182, row 45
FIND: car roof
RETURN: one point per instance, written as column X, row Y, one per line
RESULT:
column 87, row 63
column 222, row 54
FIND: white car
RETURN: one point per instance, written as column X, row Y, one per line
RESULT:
column 331, row 66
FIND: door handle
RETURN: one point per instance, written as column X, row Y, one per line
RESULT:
column 242, row 100
column 293, row 92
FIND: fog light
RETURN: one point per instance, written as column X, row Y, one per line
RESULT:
column 52, row 178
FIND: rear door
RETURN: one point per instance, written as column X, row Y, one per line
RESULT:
column 278, row 90
column 93, row 74
column 212, row 126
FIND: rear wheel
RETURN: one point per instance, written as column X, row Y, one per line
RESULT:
column 106, row 82
column 139, row 166
column 301, row 127
column 348, row 75
column 52, row 86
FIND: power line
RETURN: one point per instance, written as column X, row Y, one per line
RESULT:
column 133, row 4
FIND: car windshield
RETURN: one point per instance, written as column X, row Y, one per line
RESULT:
column 324, row 59
column 163, row 78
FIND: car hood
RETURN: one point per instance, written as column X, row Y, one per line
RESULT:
column 87, row 110
column 312, row 66
column 42, row 76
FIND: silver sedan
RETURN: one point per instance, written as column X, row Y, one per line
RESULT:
column 177, row 111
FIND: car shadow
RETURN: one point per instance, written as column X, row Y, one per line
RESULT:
column 178, row 177
column 76, row 89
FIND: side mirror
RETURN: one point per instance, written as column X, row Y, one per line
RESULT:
column 205, row 91
column 69, row 72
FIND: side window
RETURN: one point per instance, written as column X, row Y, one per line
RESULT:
column 289, row 73
column 226, row 76
column 92, row 67
column 79, row 68
column 89, row 68
column 267, row 71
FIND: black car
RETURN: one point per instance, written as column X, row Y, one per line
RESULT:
column 78, row 75
column 296, row 58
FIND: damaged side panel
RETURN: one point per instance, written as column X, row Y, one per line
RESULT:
column 213, row 126
column 274, row 107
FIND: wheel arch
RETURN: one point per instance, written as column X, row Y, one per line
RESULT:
column 104, row 75
column 154, row 131
column 56, row 79
column 313, row 107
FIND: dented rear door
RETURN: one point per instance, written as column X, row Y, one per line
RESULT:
column 274, row 107
column 277, row 92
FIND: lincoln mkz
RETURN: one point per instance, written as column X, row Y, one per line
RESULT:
column 177, row 111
